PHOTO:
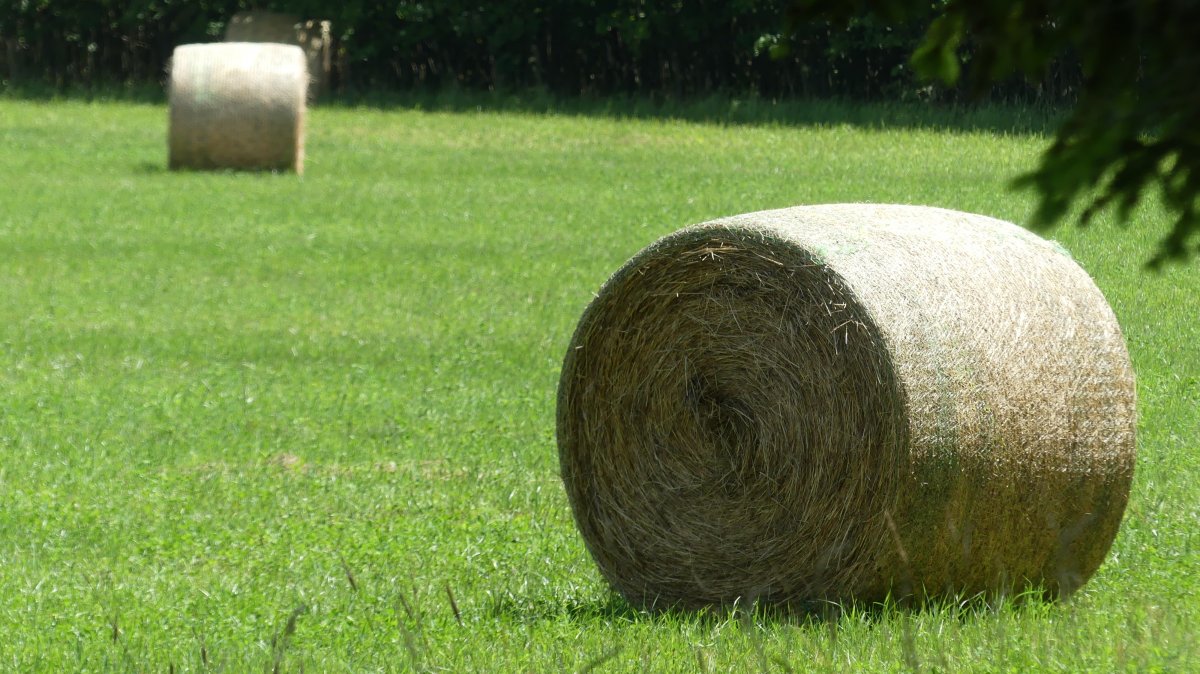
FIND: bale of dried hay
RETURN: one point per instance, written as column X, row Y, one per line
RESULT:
column 237, row 105
column 314, row 37
column 846, row 401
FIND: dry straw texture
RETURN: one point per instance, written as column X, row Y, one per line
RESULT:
column 237, row 105
column 314, row 37
column 846, row 401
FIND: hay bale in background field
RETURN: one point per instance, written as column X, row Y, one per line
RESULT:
column 314, row 37
column 237, row 105
column 846, row 401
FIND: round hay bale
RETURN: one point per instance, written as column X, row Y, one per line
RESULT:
column 846, row 402
column 237, row 105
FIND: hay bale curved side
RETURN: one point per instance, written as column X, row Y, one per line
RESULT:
column 237, row 105
column 846, row 401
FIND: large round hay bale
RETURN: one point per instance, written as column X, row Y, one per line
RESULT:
column 237, row 105
column 846, row 402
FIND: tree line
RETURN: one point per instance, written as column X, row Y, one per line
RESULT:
column 566, row 47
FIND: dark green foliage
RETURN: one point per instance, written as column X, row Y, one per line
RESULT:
column 72, row 42
column 566, row 47
column 1134, row 124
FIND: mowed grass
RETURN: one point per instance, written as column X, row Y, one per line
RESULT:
column 257, row 421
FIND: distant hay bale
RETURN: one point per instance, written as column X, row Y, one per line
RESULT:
column 314, row 37
column 846, row 401
column 237, row 105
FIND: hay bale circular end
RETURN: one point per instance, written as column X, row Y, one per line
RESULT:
column 237, row 105
column 846, row 402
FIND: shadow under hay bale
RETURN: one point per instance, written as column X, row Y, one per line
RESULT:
column 314, row 37
column 237, row 105
column 846, row 402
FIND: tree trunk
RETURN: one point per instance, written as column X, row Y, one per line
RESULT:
column 12, row 58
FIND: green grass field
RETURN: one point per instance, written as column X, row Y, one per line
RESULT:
column 257, row 421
